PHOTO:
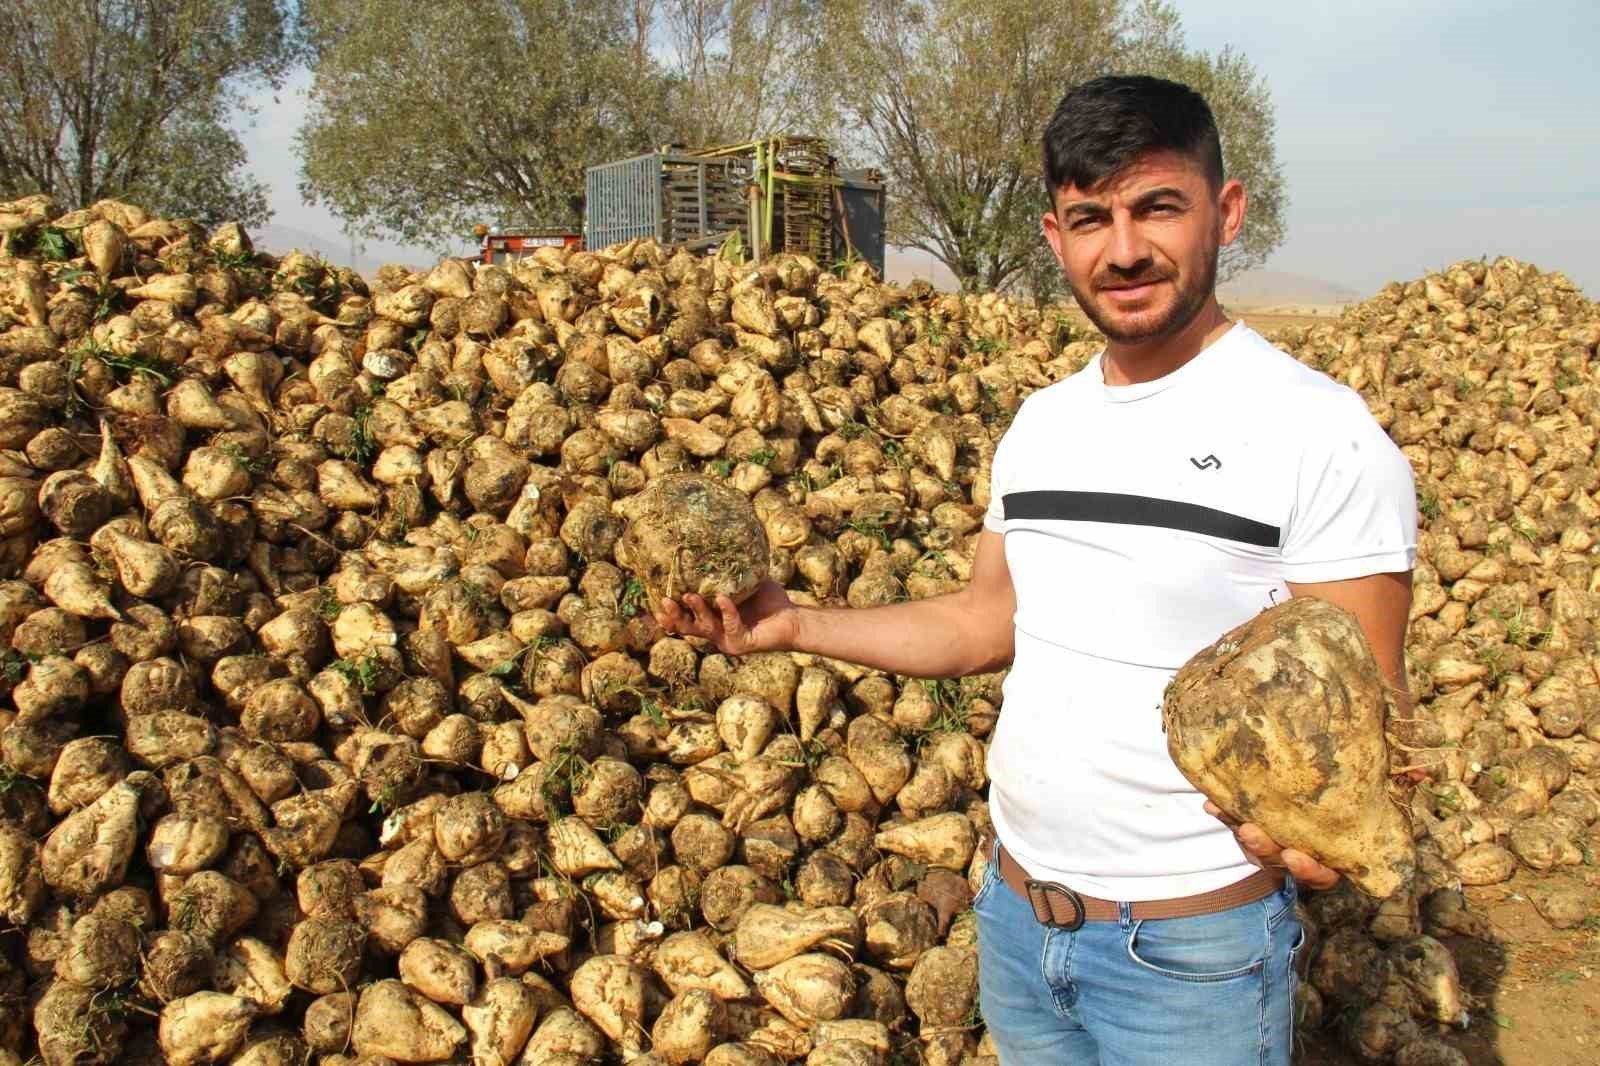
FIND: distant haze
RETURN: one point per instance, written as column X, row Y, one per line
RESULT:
column 1410, row 135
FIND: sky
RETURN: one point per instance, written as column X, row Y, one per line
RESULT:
column 1415, row 134
column 1411, row 134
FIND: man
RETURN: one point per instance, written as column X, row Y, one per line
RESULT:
column 1189, row 477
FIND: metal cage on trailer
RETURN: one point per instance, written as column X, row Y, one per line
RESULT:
column 776, row 194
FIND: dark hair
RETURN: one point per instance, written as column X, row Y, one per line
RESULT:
column 1102, row 126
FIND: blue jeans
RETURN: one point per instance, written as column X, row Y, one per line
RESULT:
column 1215, row 990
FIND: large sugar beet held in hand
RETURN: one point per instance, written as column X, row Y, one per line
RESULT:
column 1281, row 723
column 692, row 533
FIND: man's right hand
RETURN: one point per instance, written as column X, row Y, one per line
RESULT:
column 964, row 632
column 767, row 621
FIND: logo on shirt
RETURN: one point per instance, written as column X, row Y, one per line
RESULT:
column 1210, row 462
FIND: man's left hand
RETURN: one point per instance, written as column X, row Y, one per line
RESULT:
column 1262, row 850
column 1381, row 604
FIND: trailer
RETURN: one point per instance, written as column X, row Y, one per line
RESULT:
column 778, row 194
column 496, row 245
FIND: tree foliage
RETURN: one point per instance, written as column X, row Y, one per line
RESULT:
column 428, row 118
column 950, row 98
column 735, row 69
column 134, row 99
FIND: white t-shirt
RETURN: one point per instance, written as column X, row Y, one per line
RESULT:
column 1141, row 523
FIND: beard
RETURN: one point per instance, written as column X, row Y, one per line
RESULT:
column 1187, row 302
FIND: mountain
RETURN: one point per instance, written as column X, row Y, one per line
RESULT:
column 368, row 256
column 1279, row 288
column 280, row 239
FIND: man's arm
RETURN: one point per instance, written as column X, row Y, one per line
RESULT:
column 965, row 632
column 1381, row 604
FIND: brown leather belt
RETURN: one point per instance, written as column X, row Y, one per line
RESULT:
column 1058, row 906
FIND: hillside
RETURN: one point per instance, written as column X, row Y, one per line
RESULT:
column 1278, row 288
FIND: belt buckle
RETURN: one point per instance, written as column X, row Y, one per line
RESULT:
column 1039, row 898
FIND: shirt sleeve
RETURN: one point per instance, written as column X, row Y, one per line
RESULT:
column 1355, row 510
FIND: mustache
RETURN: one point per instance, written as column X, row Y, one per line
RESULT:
column 1125, row 281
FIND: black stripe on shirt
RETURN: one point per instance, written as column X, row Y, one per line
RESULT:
column 1120, row 509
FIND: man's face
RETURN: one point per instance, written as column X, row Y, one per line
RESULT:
column 1140, row 249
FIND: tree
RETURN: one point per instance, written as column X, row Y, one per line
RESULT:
column 133, row 98
column 428, row 118
column 950, row 98
column 735, row 70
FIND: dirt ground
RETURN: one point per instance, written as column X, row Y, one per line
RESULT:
column 1535, row 990
column 1271, row 319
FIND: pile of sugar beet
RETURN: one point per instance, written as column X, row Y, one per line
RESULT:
column 334, row 731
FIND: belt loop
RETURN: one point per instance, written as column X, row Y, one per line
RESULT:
column 1125, row 915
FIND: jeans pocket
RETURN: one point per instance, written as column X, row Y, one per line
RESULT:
column 1281, row 902
column 1226, row 946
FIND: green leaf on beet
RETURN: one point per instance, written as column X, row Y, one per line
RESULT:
column 52, row 244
